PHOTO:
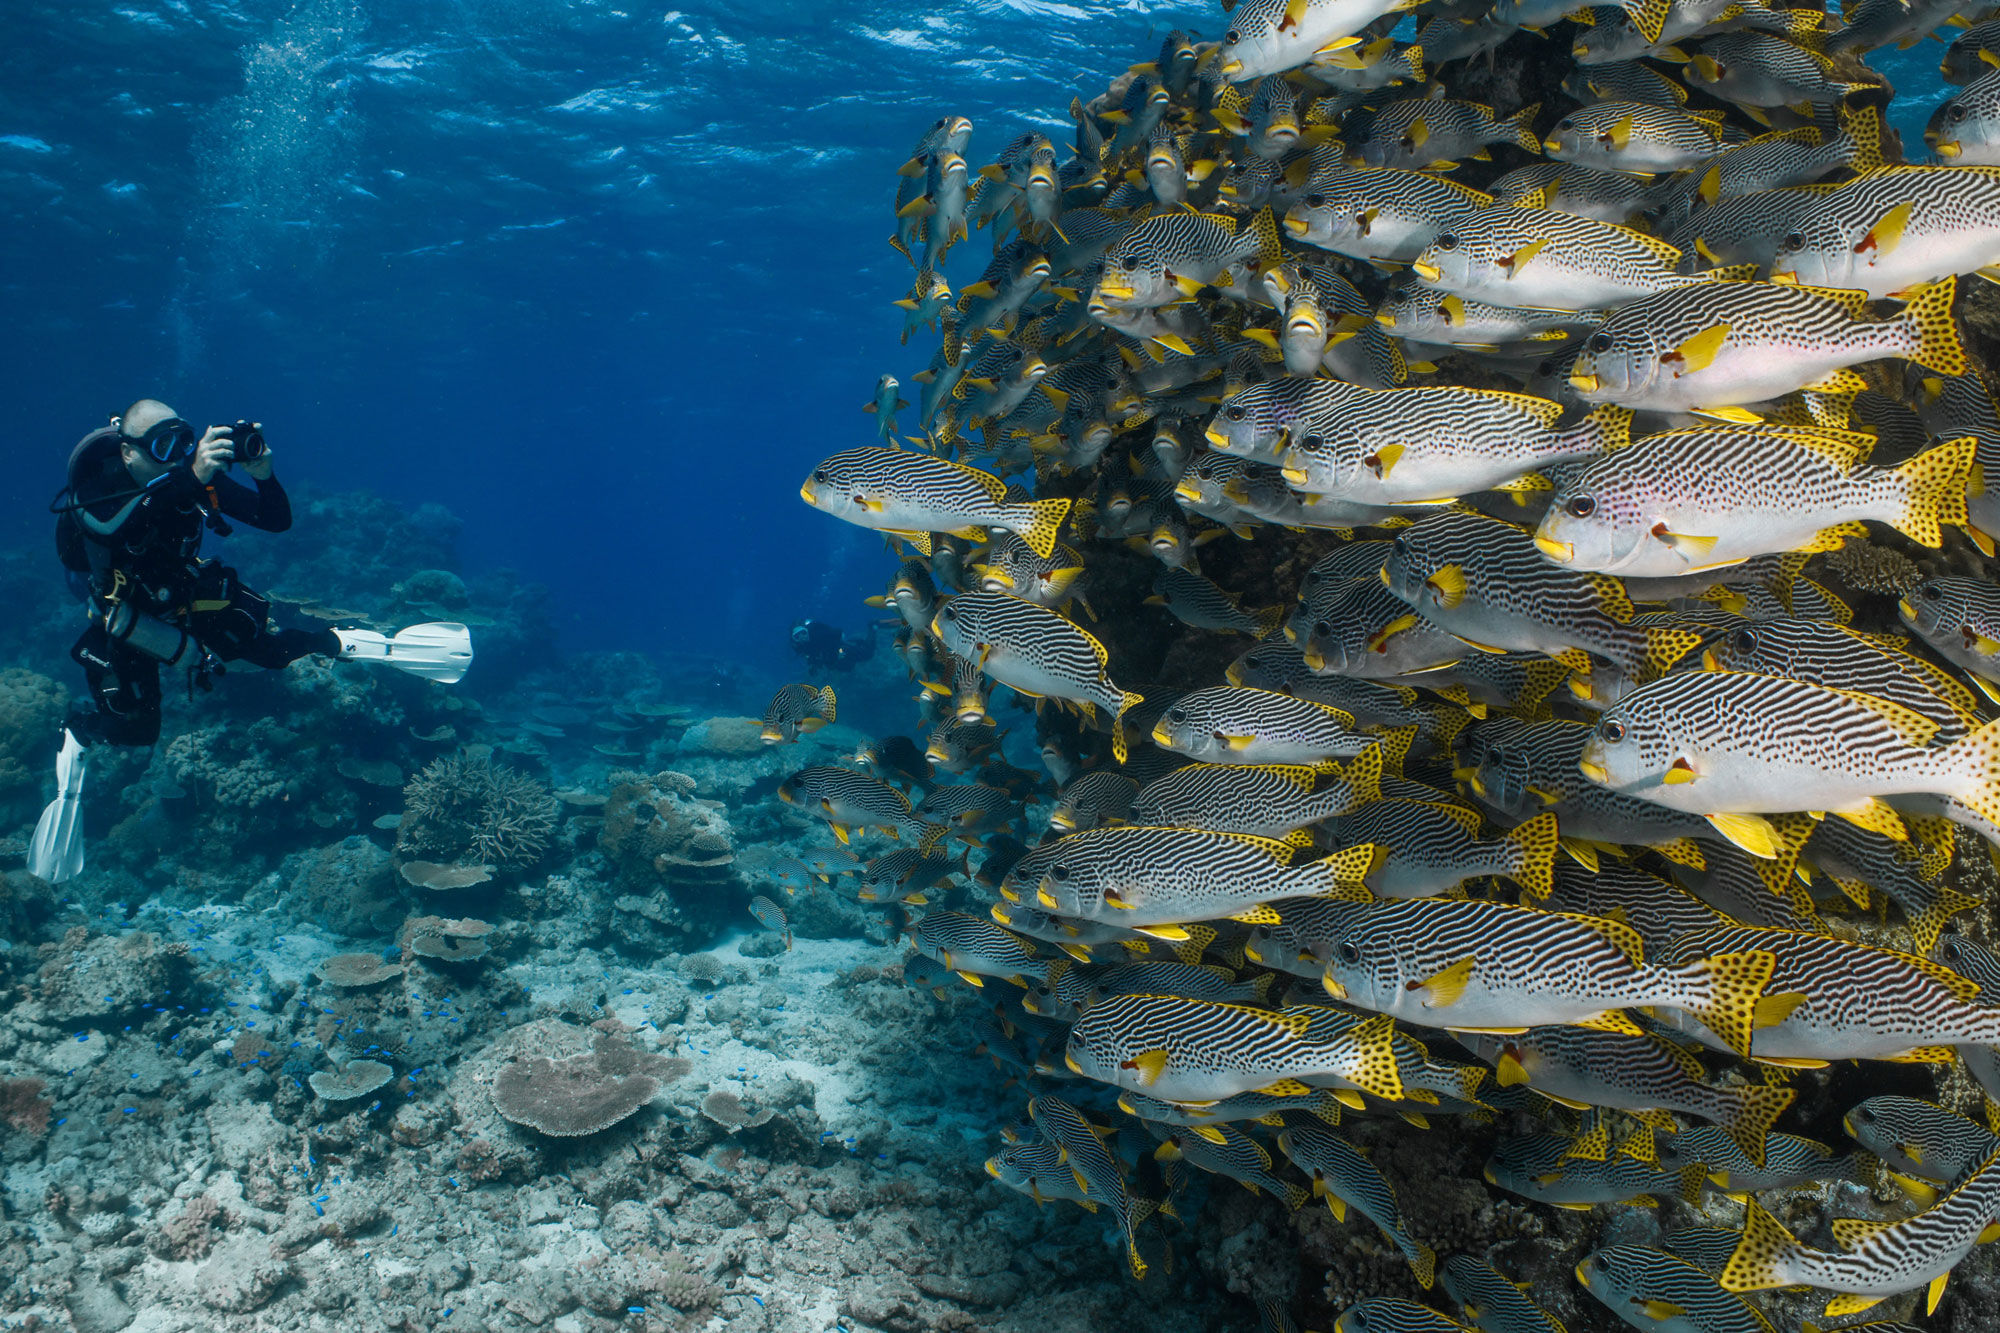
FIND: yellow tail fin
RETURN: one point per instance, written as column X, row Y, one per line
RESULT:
column 1735, row 982
column 1935, row 486
column 1757, row 1109
column 1045, row 520
column 1971, row 764
column 1537, row 841
column 1521, row 126
column 1364, row 776
column 826, row 701
column 1933, row 330
column 1754, row 1265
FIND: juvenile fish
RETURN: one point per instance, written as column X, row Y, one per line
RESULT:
column 771, row 917
column 915, row 495
column 795, row 709
column 1229, row 724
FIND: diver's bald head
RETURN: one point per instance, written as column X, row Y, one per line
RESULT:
column 142, row 416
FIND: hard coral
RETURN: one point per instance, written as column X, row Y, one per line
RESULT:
column 31, row 711
column 582, row 1094
column 454, row 941
column 464, row 808
column 357, row 1079
column 653, row 824
column 357, row 969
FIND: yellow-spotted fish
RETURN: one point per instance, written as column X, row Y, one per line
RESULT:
column 915, row 495
column 795, row 709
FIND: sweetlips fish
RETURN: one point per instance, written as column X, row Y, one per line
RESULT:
column 974, row 947
column 1144, row 105
column 1836, row 656
column 849, row 800
column 1010, row 565
column 1651, row 1289
column 1380, row 214
column 1260, row 800
column 1709, row 496
column 1459, row 963
column 1742, row 234
column 1257, row 423
column 1567, row 187
column 1735, row 746
column 771, row 917
column 1920, row 1138
column 1546, row 1168
column 1346, row 1179
column 1761, row 69
column 1195, row 1051
column 1895, row 230
column 1416, row 132
column 1034, row 651
column 1433, row 847
column 1724, row 344
column 1382, row 63
column 914, row 495
column 1095, row 1171
column 1882, row 1258
column 1959, row 618
column 967, row 808
column 1556, row 261
column 1787, row 1161
column 1635, row 137
column 1197, row 601
column 1430, row 315
column 929, row 302
column 1392, row 1314
column 1232, row 724
column 795, row 709
column 1016, row 273
column 1091, row 800
column 1973, row 54
column 1273, row 36
column 1428, row 446
column 1151, row 879
column 1039, row 1170
column 1081, row 985
column 1649, row 16
column 1324, row 323
column 1171, row 256
column 1238, row 1157
column 902, row 876
column 1491, row 1301
column 1485, row 581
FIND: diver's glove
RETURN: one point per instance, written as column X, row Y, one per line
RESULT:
column 57, row 851
column 439, row 651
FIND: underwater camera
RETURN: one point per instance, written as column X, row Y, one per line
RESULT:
column 249, row 441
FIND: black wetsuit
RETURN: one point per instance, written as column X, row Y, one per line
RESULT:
column 827, row 649
column 143, row 547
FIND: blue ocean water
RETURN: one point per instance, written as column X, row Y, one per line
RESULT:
column 603, row 280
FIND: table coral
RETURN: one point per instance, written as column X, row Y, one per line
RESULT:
column 582, row 1094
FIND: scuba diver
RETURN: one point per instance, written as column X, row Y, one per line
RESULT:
column 826, row 649
column 141, row 493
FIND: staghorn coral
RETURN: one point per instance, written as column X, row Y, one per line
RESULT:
column 465, row 808
column 1871, row 568
column 582, row 1094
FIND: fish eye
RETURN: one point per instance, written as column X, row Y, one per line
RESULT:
column 1315, row 201
column 1930, row 592
column 1948, row 949
column 1580, row 506
column 1131, row 263
column 1312, row 444
column 1954, row 113
column 1232, row 37
column 1744, row 641
column 949, row 613
column 1322, row 628
column 820, row 475
column 1602, row 342
column 1794, row 240
column 1447, row 241
column 1349, row 953
column 1611, row 731
column 1234, row 413
column 1566, row 123
column 1059, row 873
column 1177, row 715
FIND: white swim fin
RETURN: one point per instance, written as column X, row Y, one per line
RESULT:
column 57, row 851
column 439, row 651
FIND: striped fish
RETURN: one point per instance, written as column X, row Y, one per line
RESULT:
column 1586, row 192
column 960, row 747
column 1256, row 423
column 1237, row 1156
column 1895, row 230
column 1323, row 324
column 791, row 875
column 1732, row 746
column 1083, row 985
column 771, row 917
column 1150, row 879
column 1745, row 229
column 1864, row 864
column 1581, row 1067
column 1819, row 653
column 1433, row 847
column 1095, row 1171
column 1198, row 602
column 1882, row 1258
column 1954, row 405
column 1380, row 214
column 1374, row 704
column 1494, row 1304
column 1761, row 69
column 1920, row 1138
column 1973, row 53
column 1366, row 632
column 1427, row 446
column 1033, row 651
column 1651, row 1289
column 1555, row 261
column 1721, row 345
column 1635, row 137
column 1831, row 999
column 1261, row 800
column 975, row 947
column 1429, row 315
column 1656, row 909
column 1092, row 800
column 1959, row 618
column 1171, row 256
column 926, row 974
column 1486, row 581
column 1011, row 565
column 1465, row 964
column 1417, row 132
column 1229, row 724
column 915, row 495
column 1709, row 496
column 848, row 800
column 795, row 709
column 1392, row 1314
column 1191, row 1052
column 1543, row 1167
column 1077, row 938
column 1039, row 1170
column 1346, row 1179
column 903, row 876
column 1796, row 157
column 1273, row 36
column 1260, row 1106
column 913, row 593
column 1787, row 1161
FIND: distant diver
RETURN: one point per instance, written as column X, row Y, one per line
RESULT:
column 129, row 524
column 825, row 648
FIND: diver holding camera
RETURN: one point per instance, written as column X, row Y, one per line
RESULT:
column 142, row 492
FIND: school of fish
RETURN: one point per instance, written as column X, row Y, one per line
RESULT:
column 1485, row 506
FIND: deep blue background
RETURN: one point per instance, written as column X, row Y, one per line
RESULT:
column 603, row 280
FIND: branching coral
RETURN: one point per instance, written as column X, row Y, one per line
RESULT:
column 465, row 808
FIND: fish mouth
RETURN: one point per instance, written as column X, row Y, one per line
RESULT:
column 1216, row 438
column 1231, row 68
column 1584, row 382
column 1296, row 476
column 1908, row 612
column 1560, row 552
column 1188, row 491
column 1787, row 276
column 1298, row 227
column 1045, row 898
column 1947, row 148
column 1595, row 772
column 1428, row 272
column 1315, row 662
column 1070, row 1060
column 1161, row 736
column 1062, row 821
column 809, row 494
column 1332, row 986
column 1552, row 146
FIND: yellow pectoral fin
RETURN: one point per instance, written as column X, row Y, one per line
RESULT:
column 1448, row 582
column 1887, row 233
column 1446, row 988
column 1753, row 833
column 1147, row 1066
column 1697, row 352
column 1512, row 1073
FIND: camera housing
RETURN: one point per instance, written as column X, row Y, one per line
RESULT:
column 248, row 441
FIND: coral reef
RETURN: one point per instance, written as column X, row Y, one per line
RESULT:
column 356, row 1079
column 584, row 1093
column 31, row 713
column 464, row 808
